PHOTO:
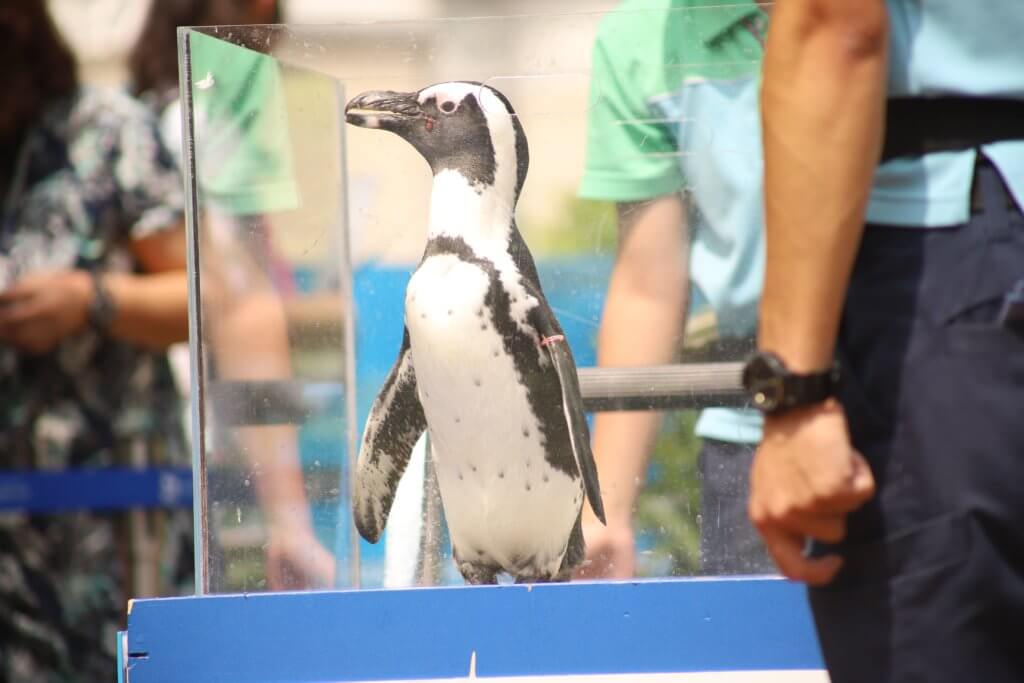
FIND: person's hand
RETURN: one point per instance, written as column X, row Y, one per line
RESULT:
column 296, row 560
column 611, row 550
column 41, row 309
column 806, row 477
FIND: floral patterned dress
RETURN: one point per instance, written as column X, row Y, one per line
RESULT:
column 90, row 177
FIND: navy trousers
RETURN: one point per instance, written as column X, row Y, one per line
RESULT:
column 933, row 584
column 729, row 543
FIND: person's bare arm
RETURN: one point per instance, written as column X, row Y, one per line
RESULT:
column 823, row 103
column 41, row 309
column 152, row 308
column 641, row 325
column 250, row 342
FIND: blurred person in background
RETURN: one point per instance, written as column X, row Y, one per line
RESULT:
column 92, row 291
column 674, row 140
column 244, row 176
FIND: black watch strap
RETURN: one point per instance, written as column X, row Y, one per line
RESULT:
column 806, row 390
column 102, row 310
column 773, row 388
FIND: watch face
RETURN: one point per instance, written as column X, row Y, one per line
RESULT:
column 763, row 380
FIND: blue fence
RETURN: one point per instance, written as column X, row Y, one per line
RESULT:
column 96, row 489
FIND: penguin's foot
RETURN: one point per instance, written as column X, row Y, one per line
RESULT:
column 477, row 574
column 561, row 577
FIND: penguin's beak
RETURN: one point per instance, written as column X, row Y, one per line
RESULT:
column 383, row 109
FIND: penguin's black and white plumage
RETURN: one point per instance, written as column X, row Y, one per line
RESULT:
column 483, row 366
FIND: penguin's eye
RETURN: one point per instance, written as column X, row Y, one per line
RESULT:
column 447, row 107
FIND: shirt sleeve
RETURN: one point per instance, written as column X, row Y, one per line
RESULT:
column 243, row 141
column 630, row 155
column 147, row 180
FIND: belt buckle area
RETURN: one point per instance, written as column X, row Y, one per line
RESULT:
column 977, row 200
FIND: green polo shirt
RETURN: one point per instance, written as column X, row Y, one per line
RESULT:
column 674, row 87
column 646, row 49
column 243, row 150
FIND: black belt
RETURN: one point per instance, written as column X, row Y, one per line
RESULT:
column 915, row 126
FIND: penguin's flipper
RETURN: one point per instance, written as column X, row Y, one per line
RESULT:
column 395, row 423
column 553, row 341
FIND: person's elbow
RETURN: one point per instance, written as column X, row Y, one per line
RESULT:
column 856, row 30
column 659, row 276
column 652, row 258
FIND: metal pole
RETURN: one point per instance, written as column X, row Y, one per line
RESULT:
column 657, row 387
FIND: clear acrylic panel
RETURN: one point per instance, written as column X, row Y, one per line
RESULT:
column 272, row 338
column 305, row 231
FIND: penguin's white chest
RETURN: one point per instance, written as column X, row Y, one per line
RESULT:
column 505, row 505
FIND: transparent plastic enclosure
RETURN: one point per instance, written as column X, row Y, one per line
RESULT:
column 304, row 232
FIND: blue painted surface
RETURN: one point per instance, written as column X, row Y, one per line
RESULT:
column 96, row 489
column 121, row 656
column 641, row 627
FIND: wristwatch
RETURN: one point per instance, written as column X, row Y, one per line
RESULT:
column 774, row 389
column 102, row 309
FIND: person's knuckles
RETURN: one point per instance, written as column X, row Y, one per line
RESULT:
column 839, row 496
column 811, row 572
column 754, row 513
column 798, row 504
column 762, row 514
column 817, row 578
column 831, row 476
column 823, row 571
column 863, row 479
column 851, row 497
column 829, row 531
column 788, row 566
column 799, row 571
column 37, row 348
column 810, row 526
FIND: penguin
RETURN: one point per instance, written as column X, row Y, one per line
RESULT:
column 483, row 366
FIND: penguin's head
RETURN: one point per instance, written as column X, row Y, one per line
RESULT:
column 460, row 126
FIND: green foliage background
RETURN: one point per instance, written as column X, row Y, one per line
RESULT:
column 580, row 226
column 667, row 516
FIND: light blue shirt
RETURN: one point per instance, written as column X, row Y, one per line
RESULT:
column 718, row 137
column 950, row 47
